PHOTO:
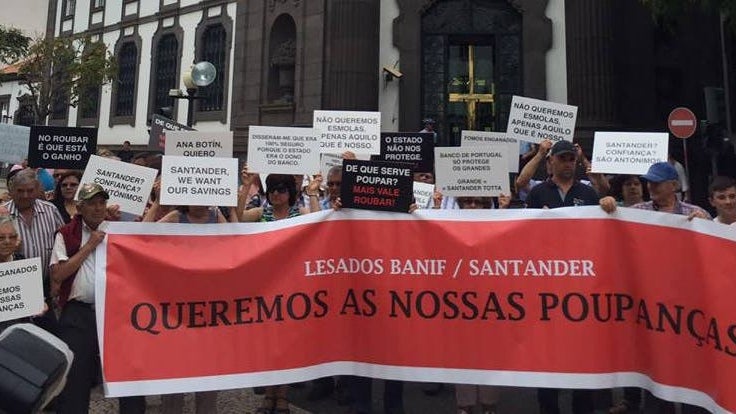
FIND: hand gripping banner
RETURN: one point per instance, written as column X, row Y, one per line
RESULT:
column 568, row 298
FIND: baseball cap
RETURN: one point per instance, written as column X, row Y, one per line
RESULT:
column 659, row 172
column 89, row 190
column 562, row 147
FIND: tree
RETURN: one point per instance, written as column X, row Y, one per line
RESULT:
column 63, row 71
column 13, row 44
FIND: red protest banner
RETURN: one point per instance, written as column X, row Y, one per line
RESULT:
column 560, row 298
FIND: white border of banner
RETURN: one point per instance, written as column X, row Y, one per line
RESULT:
column 448, row 375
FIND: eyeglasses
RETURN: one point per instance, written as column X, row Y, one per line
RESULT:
column 8, row 238
column 334, row 183
column 280, row 190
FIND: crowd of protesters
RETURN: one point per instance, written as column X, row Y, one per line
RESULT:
column 42, row 218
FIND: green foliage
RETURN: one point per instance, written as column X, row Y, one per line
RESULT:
column 68, row 67
column 13, row 44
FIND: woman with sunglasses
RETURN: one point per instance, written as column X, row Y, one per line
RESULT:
column 66, row 188
column 281, row 199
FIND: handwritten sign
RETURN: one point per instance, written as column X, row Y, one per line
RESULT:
column 423, row 193
column 534, row 120
column 469, row 171
column 282, row 150
column 355, row 131
column 195, row 181
column 628, row 152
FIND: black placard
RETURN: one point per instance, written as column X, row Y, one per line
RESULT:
column 376, row 185
column 61, row 147
column 416, row 148
column 156, row 138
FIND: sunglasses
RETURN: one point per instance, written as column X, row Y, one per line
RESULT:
column 280, row 190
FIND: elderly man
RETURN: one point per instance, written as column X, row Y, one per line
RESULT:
column 663, row 185
column 73, row 269
column 37, row 222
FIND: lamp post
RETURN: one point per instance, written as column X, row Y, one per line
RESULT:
column 199, row 75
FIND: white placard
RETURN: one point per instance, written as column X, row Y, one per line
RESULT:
column 199, row 144
column 628, row 152
column 129, row 185
column 21, row 289
column 423, row 193
column 14, row 143
column 282, row 150
column 194, row 181
column 356, row 131
column 332, row 160
column 469, row 171
column 534, row 120
column 477, row 138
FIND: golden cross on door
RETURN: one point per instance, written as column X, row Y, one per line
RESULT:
column 471, row 98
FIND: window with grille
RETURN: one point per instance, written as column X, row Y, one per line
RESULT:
column 167, row 57
column 213, row 51
column 98, row 4
column 69, row 6
column 127, row 66
column 89, row 101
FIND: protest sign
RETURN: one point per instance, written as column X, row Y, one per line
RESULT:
column 416, row 148
column 472, row 171
column 523, row 311
column 282, row 150
column 479, row 138
column 355, row 131
column 156, row 134
column 61, row 147
column 534, row 120
column 21, row 289
column 199, row 144
column 628, row 152
column 129, row 185
column 423, row 194
column 376, row 185
column 195, row 181
column 13, row 143
column 328, row 161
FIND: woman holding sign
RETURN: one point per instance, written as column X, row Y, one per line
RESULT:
column 281, row 194
column 9, row 243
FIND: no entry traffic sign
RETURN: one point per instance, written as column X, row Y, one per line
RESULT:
column 682, row 122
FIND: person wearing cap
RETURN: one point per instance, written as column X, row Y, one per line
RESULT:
column 662, row 183
column 428, row 127
column 73, row 273
column 561, row 189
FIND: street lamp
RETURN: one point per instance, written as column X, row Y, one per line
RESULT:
column 199, row 75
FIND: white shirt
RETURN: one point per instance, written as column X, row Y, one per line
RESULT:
column 83, row 287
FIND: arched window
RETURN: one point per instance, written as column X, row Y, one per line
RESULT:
column 213, row 50
column 167, row 61
column 282, row 60
column 127, row 66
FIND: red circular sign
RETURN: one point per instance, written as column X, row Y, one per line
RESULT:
column 682, row 122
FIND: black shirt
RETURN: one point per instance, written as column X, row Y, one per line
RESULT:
column 547, row 194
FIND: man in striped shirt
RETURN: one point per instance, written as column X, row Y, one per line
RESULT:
column 37, row 223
